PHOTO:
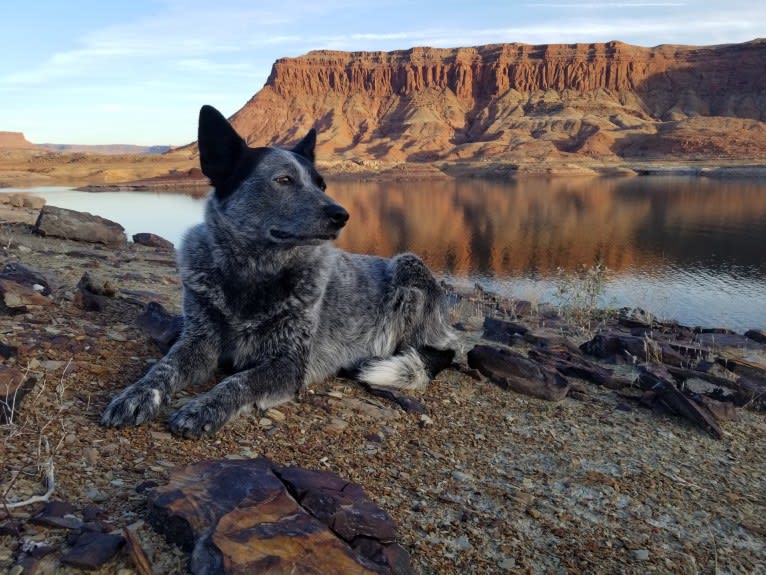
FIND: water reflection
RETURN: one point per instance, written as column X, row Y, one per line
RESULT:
column 533, row 227
column 687, row 248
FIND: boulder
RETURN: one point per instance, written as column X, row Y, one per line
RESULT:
column 80, row 226
column 152, row 241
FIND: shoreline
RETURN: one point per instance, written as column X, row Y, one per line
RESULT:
column 177, row 175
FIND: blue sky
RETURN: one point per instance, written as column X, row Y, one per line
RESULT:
column 136, row 72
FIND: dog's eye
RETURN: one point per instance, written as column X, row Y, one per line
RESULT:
column 283, row 180
column 322, row 186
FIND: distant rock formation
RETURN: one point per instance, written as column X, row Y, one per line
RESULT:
column 517, row 102
column 14, row 140
column 104, row 149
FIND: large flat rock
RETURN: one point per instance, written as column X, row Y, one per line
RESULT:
column 251, row 516
column 80, row 226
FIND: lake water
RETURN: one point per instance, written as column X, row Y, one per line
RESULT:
column 691, row 249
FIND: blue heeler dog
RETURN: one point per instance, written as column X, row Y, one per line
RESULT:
column 266, row 294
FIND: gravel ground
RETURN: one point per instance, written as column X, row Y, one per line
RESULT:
column 489, row 482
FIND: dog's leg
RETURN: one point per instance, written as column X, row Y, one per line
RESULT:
column 270, row 383
column 416, row 306
column 191, row 360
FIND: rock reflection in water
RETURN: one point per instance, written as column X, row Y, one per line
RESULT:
column 699, row 236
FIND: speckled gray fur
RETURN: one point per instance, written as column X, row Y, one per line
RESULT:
column 268, row 295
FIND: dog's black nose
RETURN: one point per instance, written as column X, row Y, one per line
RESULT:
column 338, row 215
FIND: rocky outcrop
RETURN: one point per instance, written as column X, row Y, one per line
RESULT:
column 14, row 140
column 517, row 101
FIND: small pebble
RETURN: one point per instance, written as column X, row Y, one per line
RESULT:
column 95, row 495
column 460, row 476
column 161, row 435
column 641, row 554
column 265, row 422
column 462, row 544
column 508, row 563
column 91, row 455
column 336, row 425
column 275, row 414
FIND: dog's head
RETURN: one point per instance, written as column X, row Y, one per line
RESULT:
column 268, row 194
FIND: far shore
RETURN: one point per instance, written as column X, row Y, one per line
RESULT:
column 179, row 171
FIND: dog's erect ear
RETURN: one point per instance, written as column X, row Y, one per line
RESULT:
column 220, row 147
column 306, row 146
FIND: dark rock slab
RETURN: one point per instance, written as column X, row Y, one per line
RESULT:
column 152, row 241
column 741, row 391
column 342, row 505
column 91, row 550
column 80, row 226
column 613, row 344
column 502, row 331
column 160, row 325
column 250, row 516
column 93, row 512
column 735, row 341
column 407, row 403
column 658, row 381
column 756, row 335
column 575, row 365
column 29, row 277
column 743, row 367
column 513, row 371
column 8, row 351
column 550, row 338
column 61, row 522
column 57, row 514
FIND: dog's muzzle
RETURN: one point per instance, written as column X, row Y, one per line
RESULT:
column 337, row 215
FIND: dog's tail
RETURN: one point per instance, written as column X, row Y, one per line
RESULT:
column 409, row 369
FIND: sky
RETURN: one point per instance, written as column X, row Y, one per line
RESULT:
column 137, row 72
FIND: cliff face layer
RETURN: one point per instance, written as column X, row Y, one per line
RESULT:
column 516, row 102
column 14, row 140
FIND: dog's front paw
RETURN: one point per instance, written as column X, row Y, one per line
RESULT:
column 197, row 418
column 137, row 404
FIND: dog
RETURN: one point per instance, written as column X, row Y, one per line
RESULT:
column 267, row 295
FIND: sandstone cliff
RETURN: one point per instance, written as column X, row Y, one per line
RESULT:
column 15, row 140
column 519, row 103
